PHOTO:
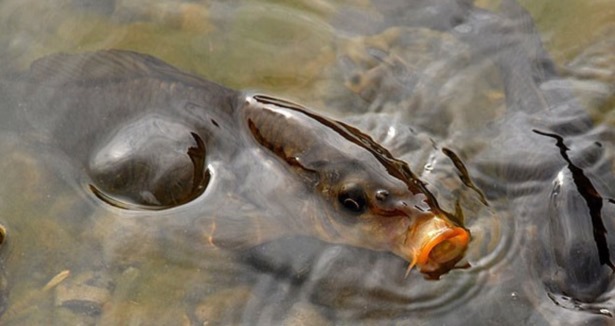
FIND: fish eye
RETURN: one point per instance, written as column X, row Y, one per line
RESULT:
column 353, row 198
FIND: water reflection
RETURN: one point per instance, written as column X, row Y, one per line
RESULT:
column 422, row 79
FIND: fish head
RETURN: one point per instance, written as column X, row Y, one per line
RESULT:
column 375, row 210
column 367, row 198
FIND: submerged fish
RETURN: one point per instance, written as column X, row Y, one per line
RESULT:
column 149, row 136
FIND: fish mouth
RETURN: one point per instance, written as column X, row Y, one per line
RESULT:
column 435, row 245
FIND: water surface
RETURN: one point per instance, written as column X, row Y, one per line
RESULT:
column 424, row 79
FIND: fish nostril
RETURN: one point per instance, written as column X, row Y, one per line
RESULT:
column 382, row 195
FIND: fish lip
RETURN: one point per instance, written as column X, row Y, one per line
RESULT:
column 434, row 244
column 456, row 236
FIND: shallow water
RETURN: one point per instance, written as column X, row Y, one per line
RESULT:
column 418, row 78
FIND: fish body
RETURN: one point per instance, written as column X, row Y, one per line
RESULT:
column 152, row 138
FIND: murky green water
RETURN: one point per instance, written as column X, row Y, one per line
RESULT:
column 411, row 75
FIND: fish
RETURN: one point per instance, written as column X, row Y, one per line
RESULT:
column 150, row 138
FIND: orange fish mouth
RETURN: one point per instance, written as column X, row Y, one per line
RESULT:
column 436, row 245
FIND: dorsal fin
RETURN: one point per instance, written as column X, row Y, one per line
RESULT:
column 103, row 66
